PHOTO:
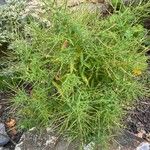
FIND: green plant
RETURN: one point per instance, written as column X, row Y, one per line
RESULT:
column 10, row 23
column 10, row 18
column 142, row 6
column 83, row 72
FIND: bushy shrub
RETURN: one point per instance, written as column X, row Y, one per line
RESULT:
column 10, row 23
column 10, row 19
column 83, row 72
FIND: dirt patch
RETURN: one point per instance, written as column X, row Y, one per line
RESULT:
column 138, row 119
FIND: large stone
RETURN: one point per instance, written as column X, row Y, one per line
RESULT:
column 47, row 140
column 72, row 3
column 69, row 3
column 98, row 8
column 4, row 139
column 36, row 8
column 144, row 146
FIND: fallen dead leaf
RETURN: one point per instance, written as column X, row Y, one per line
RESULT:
column 65, row 44
column 141, row 134
column 11, row 123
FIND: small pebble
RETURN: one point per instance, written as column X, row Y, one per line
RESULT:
column 144, row 146
column 4, row 139
column 90, row 146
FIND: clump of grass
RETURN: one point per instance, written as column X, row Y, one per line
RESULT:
column 83, row 71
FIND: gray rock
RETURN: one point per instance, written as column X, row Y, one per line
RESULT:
column 144, row 146
column 98, row 8
column 4, row 139
column 2, row 2
column 47, row 140
column 89, row 146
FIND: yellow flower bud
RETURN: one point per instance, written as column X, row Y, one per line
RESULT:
column 137, row 72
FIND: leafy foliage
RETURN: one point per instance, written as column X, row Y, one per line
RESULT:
column 83, row 72
column 10, row 23
column 10, row 15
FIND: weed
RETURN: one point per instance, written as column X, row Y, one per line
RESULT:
column 83, row 71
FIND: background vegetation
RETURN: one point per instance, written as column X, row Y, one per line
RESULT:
column 10, row 23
